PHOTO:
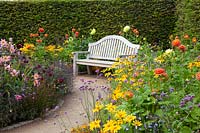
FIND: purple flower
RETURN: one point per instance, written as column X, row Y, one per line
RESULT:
column 171, row 90
column 198, row 105
column 99, row 95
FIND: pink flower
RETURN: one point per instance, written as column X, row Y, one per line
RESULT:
column 18, row 97
column 6, row 58
column 12, row 49
column 36, row 77
column 14, row 73
column 7, row 67
column 3, row 43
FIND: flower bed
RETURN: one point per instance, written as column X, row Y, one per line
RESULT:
column 157, row 93
column 32, row 78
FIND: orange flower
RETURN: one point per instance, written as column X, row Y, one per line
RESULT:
column 164, row 74
column 186, row 36
column 176, row 43
column 159, row 71
column 73, row 30
column 46, row 35
column 135, row 31
column 194, row 39
column 31, row 35
column 41, row 30
column 38, row 40
column 198, row 76
column 182, row 48
column 128, row 94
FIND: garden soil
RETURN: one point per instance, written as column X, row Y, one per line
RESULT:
column 70, row 114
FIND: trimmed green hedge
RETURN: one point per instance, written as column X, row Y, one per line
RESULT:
column 154, row 19
column 188, row 17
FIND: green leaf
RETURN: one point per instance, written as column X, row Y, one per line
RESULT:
column 185, row 129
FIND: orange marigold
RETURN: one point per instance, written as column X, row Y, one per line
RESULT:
column 159, row 71
column 194, row 39
column 186, row 36
column 198, row 76
column 176, row 43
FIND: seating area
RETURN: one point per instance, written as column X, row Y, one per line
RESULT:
column 105, row 52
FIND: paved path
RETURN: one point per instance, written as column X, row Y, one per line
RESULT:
column 70, row 114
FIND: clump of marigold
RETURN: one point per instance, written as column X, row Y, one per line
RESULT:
column 176, row 42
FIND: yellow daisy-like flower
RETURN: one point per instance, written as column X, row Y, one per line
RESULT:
column 120, row 114
column 50, row 48
column 137, row 123
column 111, row 108
column 95, row 124
column 111, row 126
column 27, row 48
column 129, row 118
column 194, row 64
column 117, row 93
column 98, row 107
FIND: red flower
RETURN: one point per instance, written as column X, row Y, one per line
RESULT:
column 182, row 48
column 73, row 30
column 76, row 34
column 38, row 40
column 159, row 71
column 198, row 76
column 66, row 36
column 41, row 30
column 176, row 43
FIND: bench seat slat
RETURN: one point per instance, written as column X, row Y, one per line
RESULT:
column 92, row 62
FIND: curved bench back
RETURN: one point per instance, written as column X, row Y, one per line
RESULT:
column 111, row 47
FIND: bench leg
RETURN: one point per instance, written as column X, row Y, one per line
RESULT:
column 88, row 70
column 75, row 69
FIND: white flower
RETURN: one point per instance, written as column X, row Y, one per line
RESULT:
column 93, row 31
column 168, row 51
column 126, row 28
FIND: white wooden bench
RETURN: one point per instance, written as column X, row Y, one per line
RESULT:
column 104, row 52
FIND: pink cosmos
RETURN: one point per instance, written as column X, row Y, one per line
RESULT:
column 36, row 77
column 3, row 43
column 14, row 73
column 18, row 97
column 12, row 49
column 6, row 58
column 7, row 67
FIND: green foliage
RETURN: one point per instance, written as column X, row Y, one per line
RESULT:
column 155, row 19
column 188, row 18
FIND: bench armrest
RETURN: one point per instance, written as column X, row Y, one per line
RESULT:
column 80, row 52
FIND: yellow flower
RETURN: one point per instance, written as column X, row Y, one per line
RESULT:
column 98, row 107
column 121, row 114
column 93, row 31
column 194, row 64
column 111, row 126
column 129, row 118
column 111, row 108
column 137, row 123
column 27, row 48
column 126, row 28
column 95, row 124
column 117, row 93
column 50, row 48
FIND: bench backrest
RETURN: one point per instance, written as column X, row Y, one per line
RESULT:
column 111, row 47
